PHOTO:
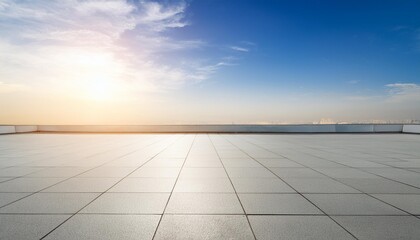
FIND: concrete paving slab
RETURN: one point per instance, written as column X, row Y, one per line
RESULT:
column 406, row 202
column 28, row 227
column 204, row 203
column 6, row 198
column 352, row 204
column 297, row 227
column 144, row 185
column 277, row 204
column 261, row 185
column 83, row 185
column 204, row 227
column 381, row 227
column 59, row 203
column 128, row 203
column 107, row 227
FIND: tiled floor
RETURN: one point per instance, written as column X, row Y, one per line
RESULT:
column 209, row 186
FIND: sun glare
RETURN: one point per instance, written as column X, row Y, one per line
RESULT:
column 97, row 76
column 99, row 89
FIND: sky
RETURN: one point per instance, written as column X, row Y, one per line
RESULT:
column 208, row 61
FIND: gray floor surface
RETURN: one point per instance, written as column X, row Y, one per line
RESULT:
column 210, row 186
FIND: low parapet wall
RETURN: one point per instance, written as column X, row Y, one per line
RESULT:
column 302, row 128
column 7, row 129
column 10, row 129
column 194, row 128
column 411, row 128
column 298, row 128
column 25, row 129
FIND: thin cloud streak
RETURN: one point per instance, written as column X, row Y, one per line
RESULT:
column 353, row 82
column 240, row 49
column 403, row 92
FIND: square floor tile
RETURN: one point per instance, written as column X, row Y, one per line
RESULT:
column 107, row 171
column 6, row 198
column 127, row 162
column 203, row 164
column 22, row 227
column 261, row 185
column 83, row 185
column 297, row 227
column 28, row 184
column 18, row 171
column 107, row 227
column 379, row 185
column 204, row 227
column 281, row 163
column 406, row 202
column 211, row 185
column 277, row 204
column 232, row 154
column 61, row 203
column 297, row 173
column 381, row 227
column 203, row 173
column 144, row 185
column 156, row 172
column 174, row 162
column 250, row 173
column 352, row 204
column 128, row 203
column 200, row 154
column 362, row 164
column 63, row 172
column 319, row 185
column 313, row 162
column 345, row 173
column 392, row 173
column 204, row 203
column 240, row 163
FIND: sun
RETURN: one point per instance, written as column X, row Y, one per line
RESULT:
column 100, row 89
column 94, row 75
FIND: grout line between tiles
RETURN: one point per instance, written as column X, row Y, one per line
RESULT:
column 170, row 195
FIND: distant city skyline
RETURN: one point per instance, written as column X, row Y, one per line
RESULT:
column 209, row 61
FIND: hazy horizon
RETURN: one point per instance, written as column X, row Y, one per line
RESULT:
column 208, row 62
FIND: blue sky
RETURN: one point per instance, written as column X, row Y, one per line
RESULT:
column 314, row 44
column 209, row 61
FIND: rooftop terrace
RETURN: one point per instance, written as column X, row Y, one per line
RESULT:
column 209, row 186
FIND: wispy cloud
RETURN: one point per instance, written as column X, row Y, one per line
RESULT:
column 353, row 82
column 64, row 44
column 204, row 71
column 159, row 17
column 404, row 92
column 240, row 49
column 394, row 93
